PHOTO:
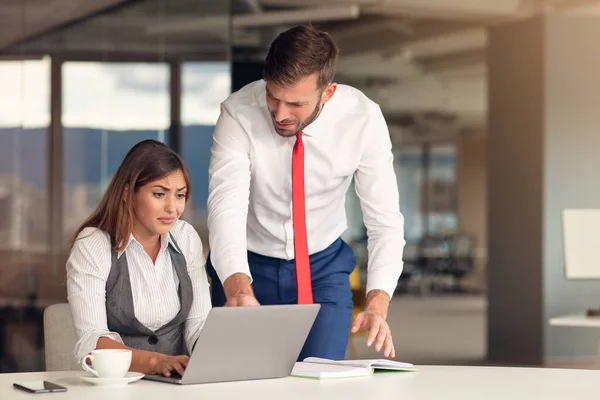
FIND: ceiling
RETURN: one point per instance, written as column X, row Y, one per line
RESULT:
column 423, row 61
column 149, row 30
column 21, row 19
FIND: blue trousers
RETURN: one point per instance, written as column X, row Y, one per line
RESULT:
column 274, row 282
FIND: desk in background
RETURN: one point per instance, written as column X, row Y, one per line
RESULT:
column 576, row 320
column 429, row 383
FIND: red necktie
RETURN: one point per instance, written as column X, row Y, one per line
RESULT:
column 303, row 282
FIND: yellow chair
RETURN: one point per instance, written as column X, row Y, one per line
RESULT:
column 358, row 300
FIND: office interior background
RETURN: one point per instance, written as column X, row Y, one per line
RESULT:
column 492, row 107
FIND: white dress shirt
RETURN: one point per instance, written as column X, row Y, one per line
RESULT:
column 250, row 183
column 153, row 285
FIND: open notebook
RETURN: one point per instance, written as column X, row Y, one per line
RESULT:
column 321, row 368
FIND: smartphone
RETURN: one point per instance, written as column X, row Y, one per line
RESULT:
column 39, row 387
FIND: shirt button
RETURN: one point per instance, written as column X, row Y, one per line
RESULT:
column 153, row 340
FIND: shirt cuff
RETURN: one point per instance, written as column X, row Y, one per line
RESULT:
column 383, row 279
column 88, row 343
column 226, row 272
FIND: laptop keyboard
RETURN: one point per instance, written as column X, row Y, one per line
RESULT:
column 175, row 375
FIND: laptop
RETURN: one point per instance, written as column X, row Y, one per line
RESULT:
column 244, row 343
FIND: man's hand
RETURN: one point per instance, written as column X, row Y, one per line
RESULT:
column 373, row 319
column 242, row 300
column 239, row 291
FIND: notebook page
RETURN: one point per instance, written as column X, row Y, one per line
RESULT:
column 374, row 363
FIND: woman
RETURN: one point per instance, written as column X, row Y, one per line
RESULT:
column 135, row 275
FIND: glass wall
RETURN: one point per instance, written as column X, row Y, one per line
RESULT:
column 107, row 108
column 427, row 184
column 137, row 70
column 24, row 121
column 426, row 176
column 408, row 163
column 441, row 187
column 204, row 85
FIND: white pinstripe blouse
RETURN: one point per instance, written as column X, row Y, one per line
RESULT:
column 153, row 285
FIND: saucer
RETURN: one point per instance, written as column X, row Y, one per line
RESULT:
column 128, row 378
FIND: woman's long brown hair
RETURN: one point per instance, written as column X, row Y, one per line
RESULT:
column 145, row 162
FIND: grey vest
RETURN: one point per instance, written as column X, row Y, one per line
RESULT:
column 168, row 339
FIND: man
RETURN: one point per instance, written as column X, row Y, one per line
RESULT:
column 285, row 151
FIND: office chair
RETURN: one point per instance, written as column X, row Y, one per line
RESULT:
column 59, row 338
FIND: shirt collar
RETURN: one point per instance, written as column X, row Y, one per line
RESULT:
column 320, row 123
column 165, row 239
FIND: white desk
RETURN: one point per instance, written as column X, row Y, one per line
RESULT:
column 576, row 320
column 430, row 382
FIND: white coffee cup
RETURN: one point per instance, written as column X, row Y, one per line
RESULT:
column 108, row 363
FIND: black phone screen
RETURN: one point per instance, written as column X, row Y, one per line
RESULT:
column 40, row 387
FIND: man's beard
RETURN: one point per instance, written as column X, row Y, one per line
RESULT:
column 304, row 124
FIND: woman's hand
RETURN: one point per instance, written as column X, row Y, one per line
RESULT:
column 164, row 364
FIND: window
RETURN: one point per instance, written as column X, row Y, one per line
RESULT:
column 204, row 86
column 107, row 109
column 24, row 120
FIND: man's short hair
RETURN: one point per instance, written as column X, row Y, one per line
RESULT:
column 300, row 52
